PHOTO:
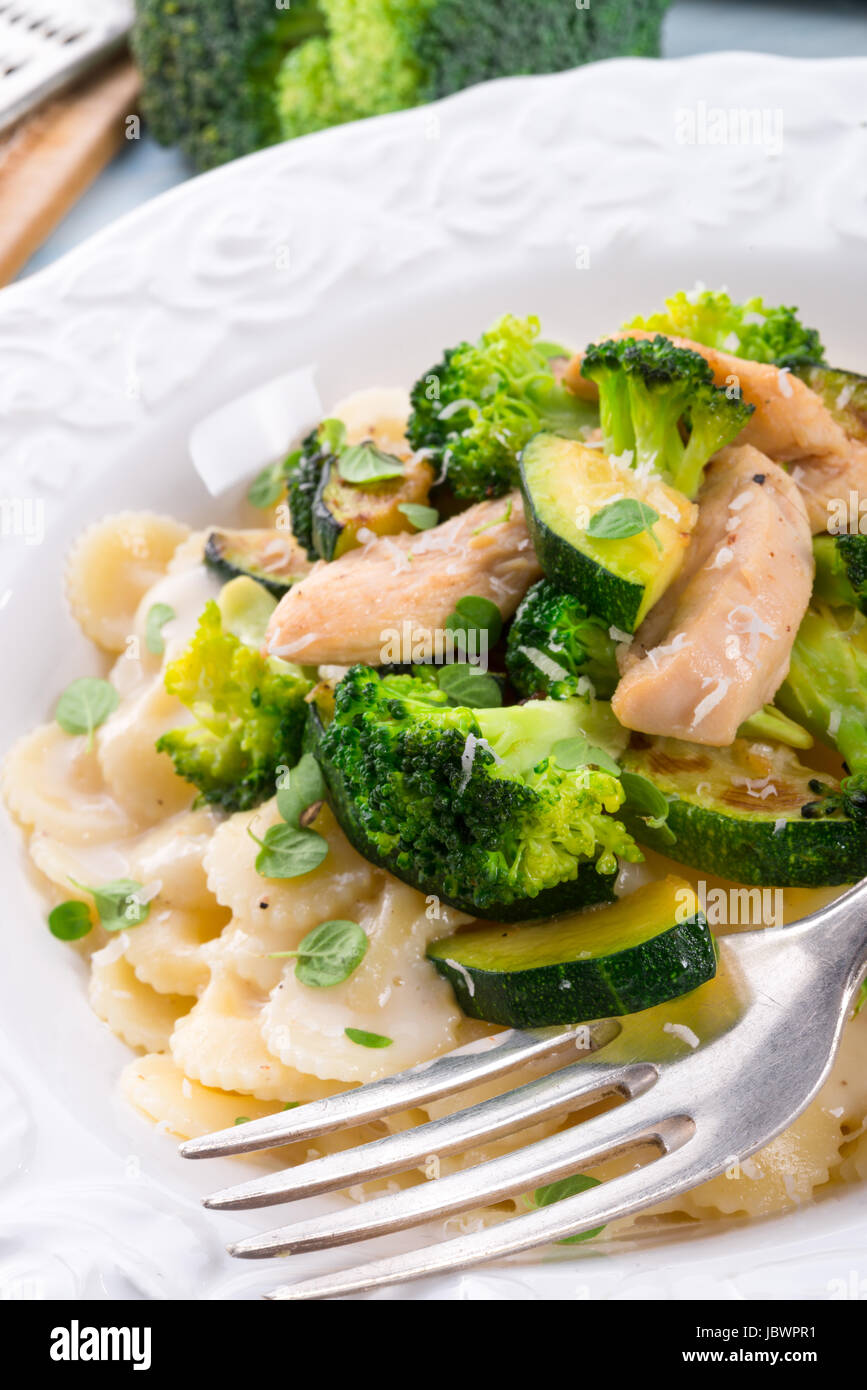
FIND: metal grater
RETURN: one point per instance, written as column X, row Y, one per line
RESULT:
column 45, row 45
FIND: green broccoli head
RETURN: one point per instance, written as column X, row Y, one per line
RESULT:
column 471, row 804
column 224, row 77
column 826, row 688
column 249, row 714
column 650, row 394
column 556, row 646
column 748, row 330
column 474, row 412
column 210, row 70
column 841, row 571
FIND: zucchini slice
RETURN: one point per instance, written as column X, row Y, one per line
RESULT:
column 649, row 947
column 841, row 570
column 341, row 509
column 738, row 812
column 272, row 558
column 565, row 484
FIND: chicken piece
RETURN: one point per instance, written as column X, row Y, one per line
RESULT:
column 717, row 645
column 790, row 423
column 346, row 611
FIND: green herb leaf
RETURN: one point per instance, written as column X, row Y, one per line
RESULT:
column 467, row 686
column 643, row 797
column 84, row 705
column 570, row 753
column 242, row 1119
column 473, row 613
column 292, row 1105
column 158, row 615
column 302, row 786
column 367, row 463
column 422, row 518
column 329, row 953
column 627, row 517
column 267, row 487
column 567, row 1187
column 70, row 921
column 118, row 903
column 358, row 1035
column 287, row 852
column 645, row 804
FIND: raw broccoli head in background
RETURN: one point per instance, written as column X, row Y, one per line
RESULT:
column 748, row 330
column 649, row 391
column 556, row 645
column 475, row 410
column 826, row 688
column 210, row 70
column 470, row 804
column 249, row 714
column 224, row 77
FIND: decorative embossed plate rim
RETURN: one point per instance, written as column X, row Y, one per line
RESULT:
column 364, row 250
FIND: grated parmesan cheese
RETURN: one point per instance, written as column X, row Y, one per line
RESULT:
column 680, row 1030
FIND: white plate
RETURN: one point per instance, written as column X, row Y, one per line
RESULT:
column 365, row 250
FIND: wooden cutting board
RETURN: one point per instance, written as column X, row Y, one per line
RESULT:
column 51, row 158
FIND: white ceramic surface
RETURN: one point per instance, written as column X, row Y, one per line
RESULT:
column 364, row 250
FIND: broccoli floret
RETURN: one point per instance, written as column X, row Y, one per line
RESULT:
column 210, row 70
column 826, row 688
column 556, row 645
column 223, row 77
column 475, row 410
column 650, row 392
column 841, row 571
column 249, row 713
column 748, row 330
column 470, row 804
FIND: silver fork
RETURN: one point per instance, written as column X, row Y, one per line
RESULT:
column 704, row 1094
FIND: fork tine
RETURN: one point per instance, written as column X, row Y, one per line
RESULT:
column 549, row 1095
column 466, row 1066
column 670, row 1174
column 547, row 1160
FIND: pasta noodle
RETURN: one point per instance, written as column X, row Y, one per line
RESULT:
column 111, row 566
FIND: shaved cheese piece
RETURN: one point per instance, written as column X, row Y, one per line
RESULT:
column 722, row 558
column 710, row 702
column 680, row 1030
column 468, row 757
column 546, row 664
column 464, row 403
column 465, row 975
column 785, row 383
column 834, row 723
column 747, row 621
column 617, row 636
column 742, row 500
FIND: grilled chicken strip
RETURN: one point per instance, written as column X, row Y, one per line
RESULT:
column 790, row 423
column 717, row 645
column 343, row 612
